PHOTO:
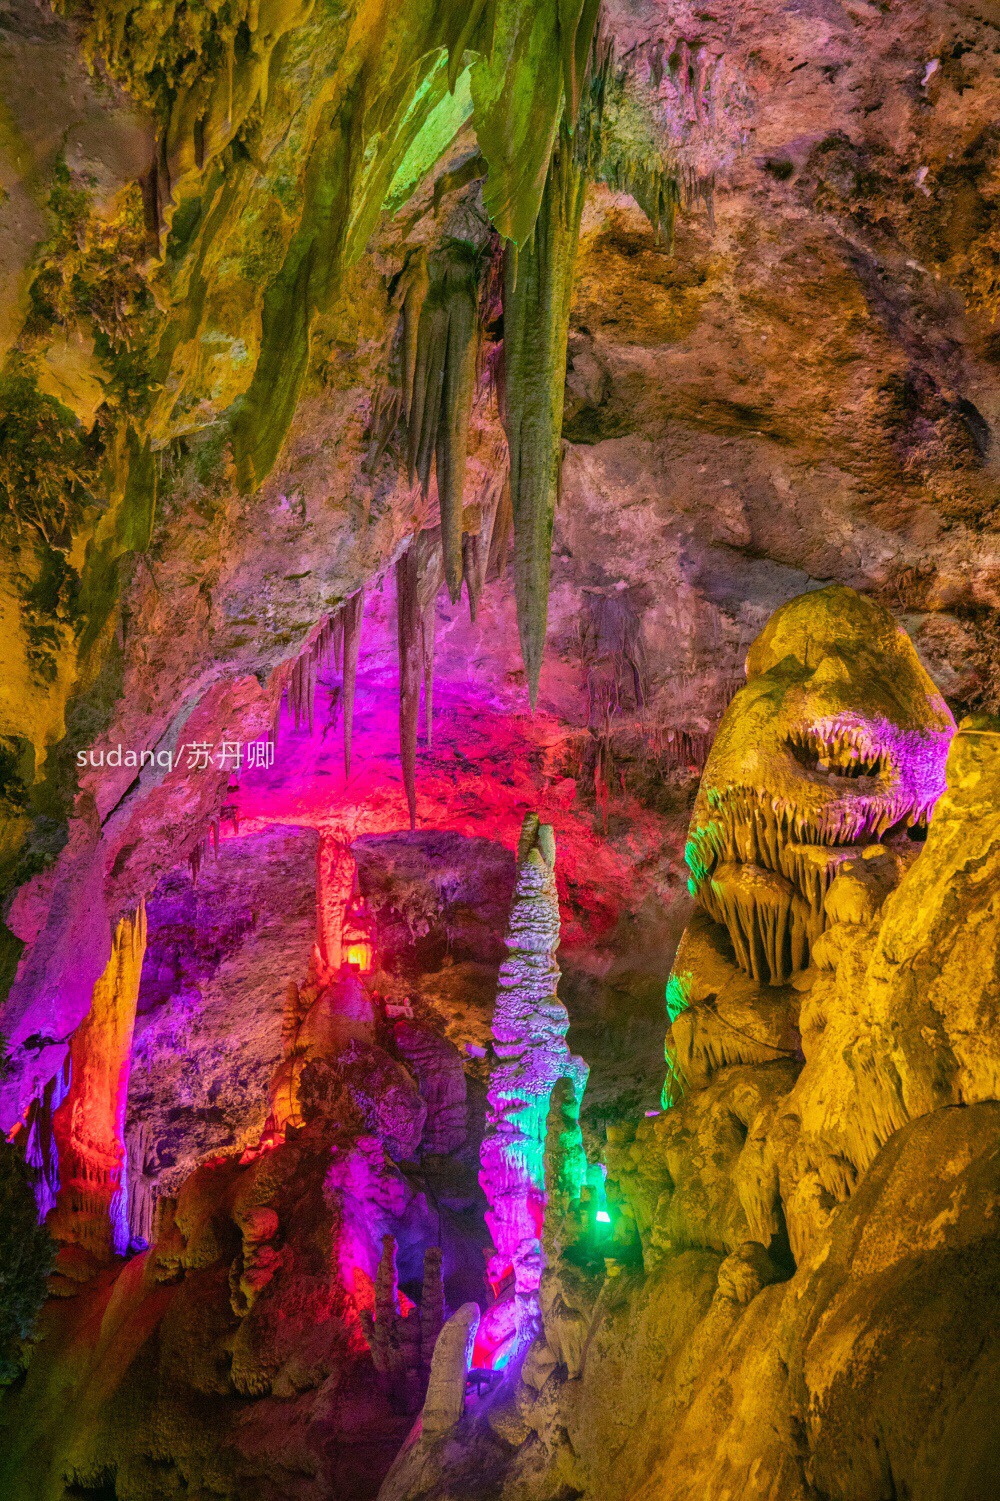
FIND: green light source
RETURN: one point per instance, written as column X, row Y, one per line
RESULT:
column 603, row 1217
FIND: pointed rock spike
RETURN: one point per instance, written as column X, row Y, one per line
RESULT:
column 428, row 633
column 352, row 612
column 408, row 636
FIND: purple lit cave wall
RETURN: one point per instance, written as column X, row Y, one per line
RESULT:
column 499, row 750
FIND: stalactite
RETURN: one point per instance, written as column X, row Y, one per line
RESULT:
column 630, row 161
column 338, row 640
column 430, row 575
column 409, row 637
column 419, row 573
column 770, row 924
column 301, row 689
column 89, row 1124
column 501, row 533
column 474, row 558
column 529, row 1029
column 352, row 615
column 577, row 23
column 476, row 548
column 40, row 1151
column 680, row 749
column 538, row 286
column 538, row 289
column 440, row 317
column 428, row 636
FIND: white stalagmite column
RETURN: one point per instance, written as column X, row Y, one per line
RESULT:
column 445, row 1401
column 529, row 1030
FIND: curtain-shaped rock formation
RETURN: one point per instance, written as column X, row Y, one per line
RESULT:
column 440, row 349
column 339, row 639
column 90, row 1123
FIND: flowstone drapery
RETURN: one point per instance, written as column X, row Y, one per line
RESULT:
column 89, row 1125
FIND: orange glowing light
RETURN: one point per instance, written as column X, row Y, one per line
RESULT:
column 360, row 954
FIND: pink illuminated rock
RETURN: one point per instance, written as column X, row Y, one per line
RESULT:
column 89, row 1124
column 336, row 873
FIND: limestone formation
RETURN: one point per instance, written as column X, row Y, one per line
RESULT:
column 317, row 1028
column 91, row 1210
column 440, row 1077
column 838, row 738
column 793, row 1217
column 445, row 1401
column 336, row 873
column 529, row 1027
column 671, row 333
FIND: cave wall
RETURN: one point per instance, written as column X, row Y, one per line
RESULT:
column 799, row 387
column 797, row 390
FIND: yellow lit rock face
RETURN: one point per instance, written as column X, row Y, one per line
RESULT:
column 903, row 1015
column 837, row 741
column 30, row 708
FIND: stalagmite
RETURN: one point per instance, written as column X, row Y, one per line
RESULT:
column 445, row 1400
column 529, row 1029
column 432, row 1306
column 89, row 1125
column 387, row 1341
column 401, row 1337
column 336, row 873
column 565, row 1165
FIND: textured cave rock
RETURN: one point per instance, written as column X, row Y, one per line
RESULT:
column 781, row 377
column 208, row 1032
column 787, row 1217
